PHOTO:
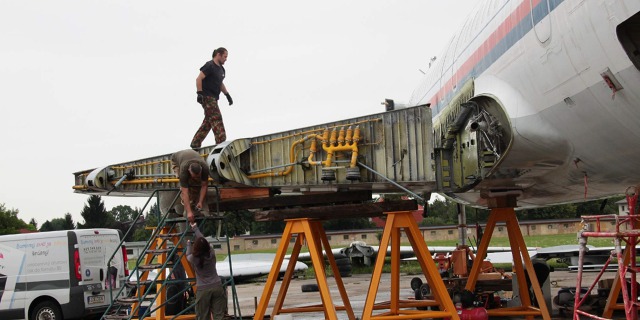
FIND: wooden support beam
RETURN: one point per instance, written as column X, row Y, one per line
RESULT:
column 359, row 210
column 243, row 193
column 280, row 201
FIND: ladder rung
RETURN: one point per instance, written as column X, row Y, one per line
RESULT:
column 153, row 266
column 130, row 300
column 134, row 284
column 159, row 251
column 182, row 219
column 117, row 316
column 171, row 235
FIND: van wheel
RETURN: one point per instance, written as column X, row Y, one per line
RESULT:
column 46, row 310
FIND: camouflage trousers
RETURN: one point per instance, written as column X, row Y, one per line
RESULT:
column 212, row 121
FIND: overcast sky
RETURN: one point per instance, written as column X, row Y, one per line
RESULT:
column 90, row 83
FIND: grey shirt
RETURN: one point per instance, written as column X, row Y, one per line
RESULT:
column 207, row 276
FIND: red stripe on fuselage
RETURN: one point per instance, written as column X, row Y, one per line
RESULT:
column 522, row 11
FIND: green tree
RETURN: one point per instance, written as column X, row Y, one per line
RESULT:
column 46, row 226
column 143, row 234
column 69, row 224
column 433, row 221
column 95, row 215
column 347, row 224
column 605, row 206
column 65, row 223
column 238, row 222
column 123, row 218
column 267, row 227
column 58, row 224
column 562, row 211
column 34, row 223
column 124, row 213
column 441, row 212
column 154, row 210
column 10, row 223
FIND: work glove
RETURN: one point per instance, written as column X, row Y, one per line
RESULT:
column 200, row 98
column 229, row 98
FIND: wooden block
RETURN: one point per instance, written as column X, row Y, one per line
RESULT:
column 239, row 193
column 490, row 276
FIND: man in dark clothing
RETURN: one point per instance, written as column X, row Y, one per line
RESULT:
column 209, row 85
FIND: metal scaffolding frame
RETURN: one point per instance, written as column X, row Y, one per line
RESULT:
column 626, row 234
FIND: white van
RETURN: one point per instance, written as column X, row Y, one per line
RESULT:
column 59, row 274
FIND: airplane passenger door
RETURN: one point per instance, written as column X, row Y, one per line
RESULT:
column 541, row 20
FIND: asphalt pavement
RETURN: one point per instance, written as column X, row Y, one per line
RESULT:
column 357, row 287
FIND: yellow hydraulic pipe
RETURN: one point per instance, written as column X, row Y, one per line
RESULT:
column 332, row 140
column 331, row 143
column 354, row 154
column 312, row 152
column 341, row 136
column 353, row 147
column 325, row 137
column 356, row 134
column 330, row 148
column 292, row 158
column 333, row 149
column 349, row 135
column 314, row 146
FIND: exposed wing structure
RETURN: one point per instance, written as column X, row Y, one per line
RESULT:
column 381, row 152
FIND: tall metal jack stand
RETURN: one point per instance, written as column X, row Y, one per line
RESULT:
column 395, row 222
column 313, row 232
column 502, row 211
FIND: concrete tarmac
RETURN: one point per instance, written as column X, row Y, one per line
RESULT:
column 357, row 287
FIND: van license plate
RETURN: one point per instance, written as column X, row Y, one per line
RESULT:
column 95, row 299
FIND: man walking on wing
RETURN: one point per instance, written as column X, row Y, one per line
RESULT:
column 209, row 85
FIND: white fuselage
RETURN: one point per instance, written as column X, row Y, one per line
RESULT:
column 574, row 137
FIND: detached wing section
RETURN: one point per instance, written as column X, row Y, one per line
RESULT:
column 381, row 152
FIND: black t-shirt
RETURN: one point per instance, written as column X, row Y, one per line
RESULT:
column 214, row 74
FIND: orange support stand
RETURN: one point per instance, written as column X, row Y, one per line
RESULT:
column 612, row 300
column 521, row 260
column 395, row 222
column 312, row 231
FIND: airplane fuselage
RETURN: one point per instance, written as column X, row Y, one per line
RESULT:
column 559, row 79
